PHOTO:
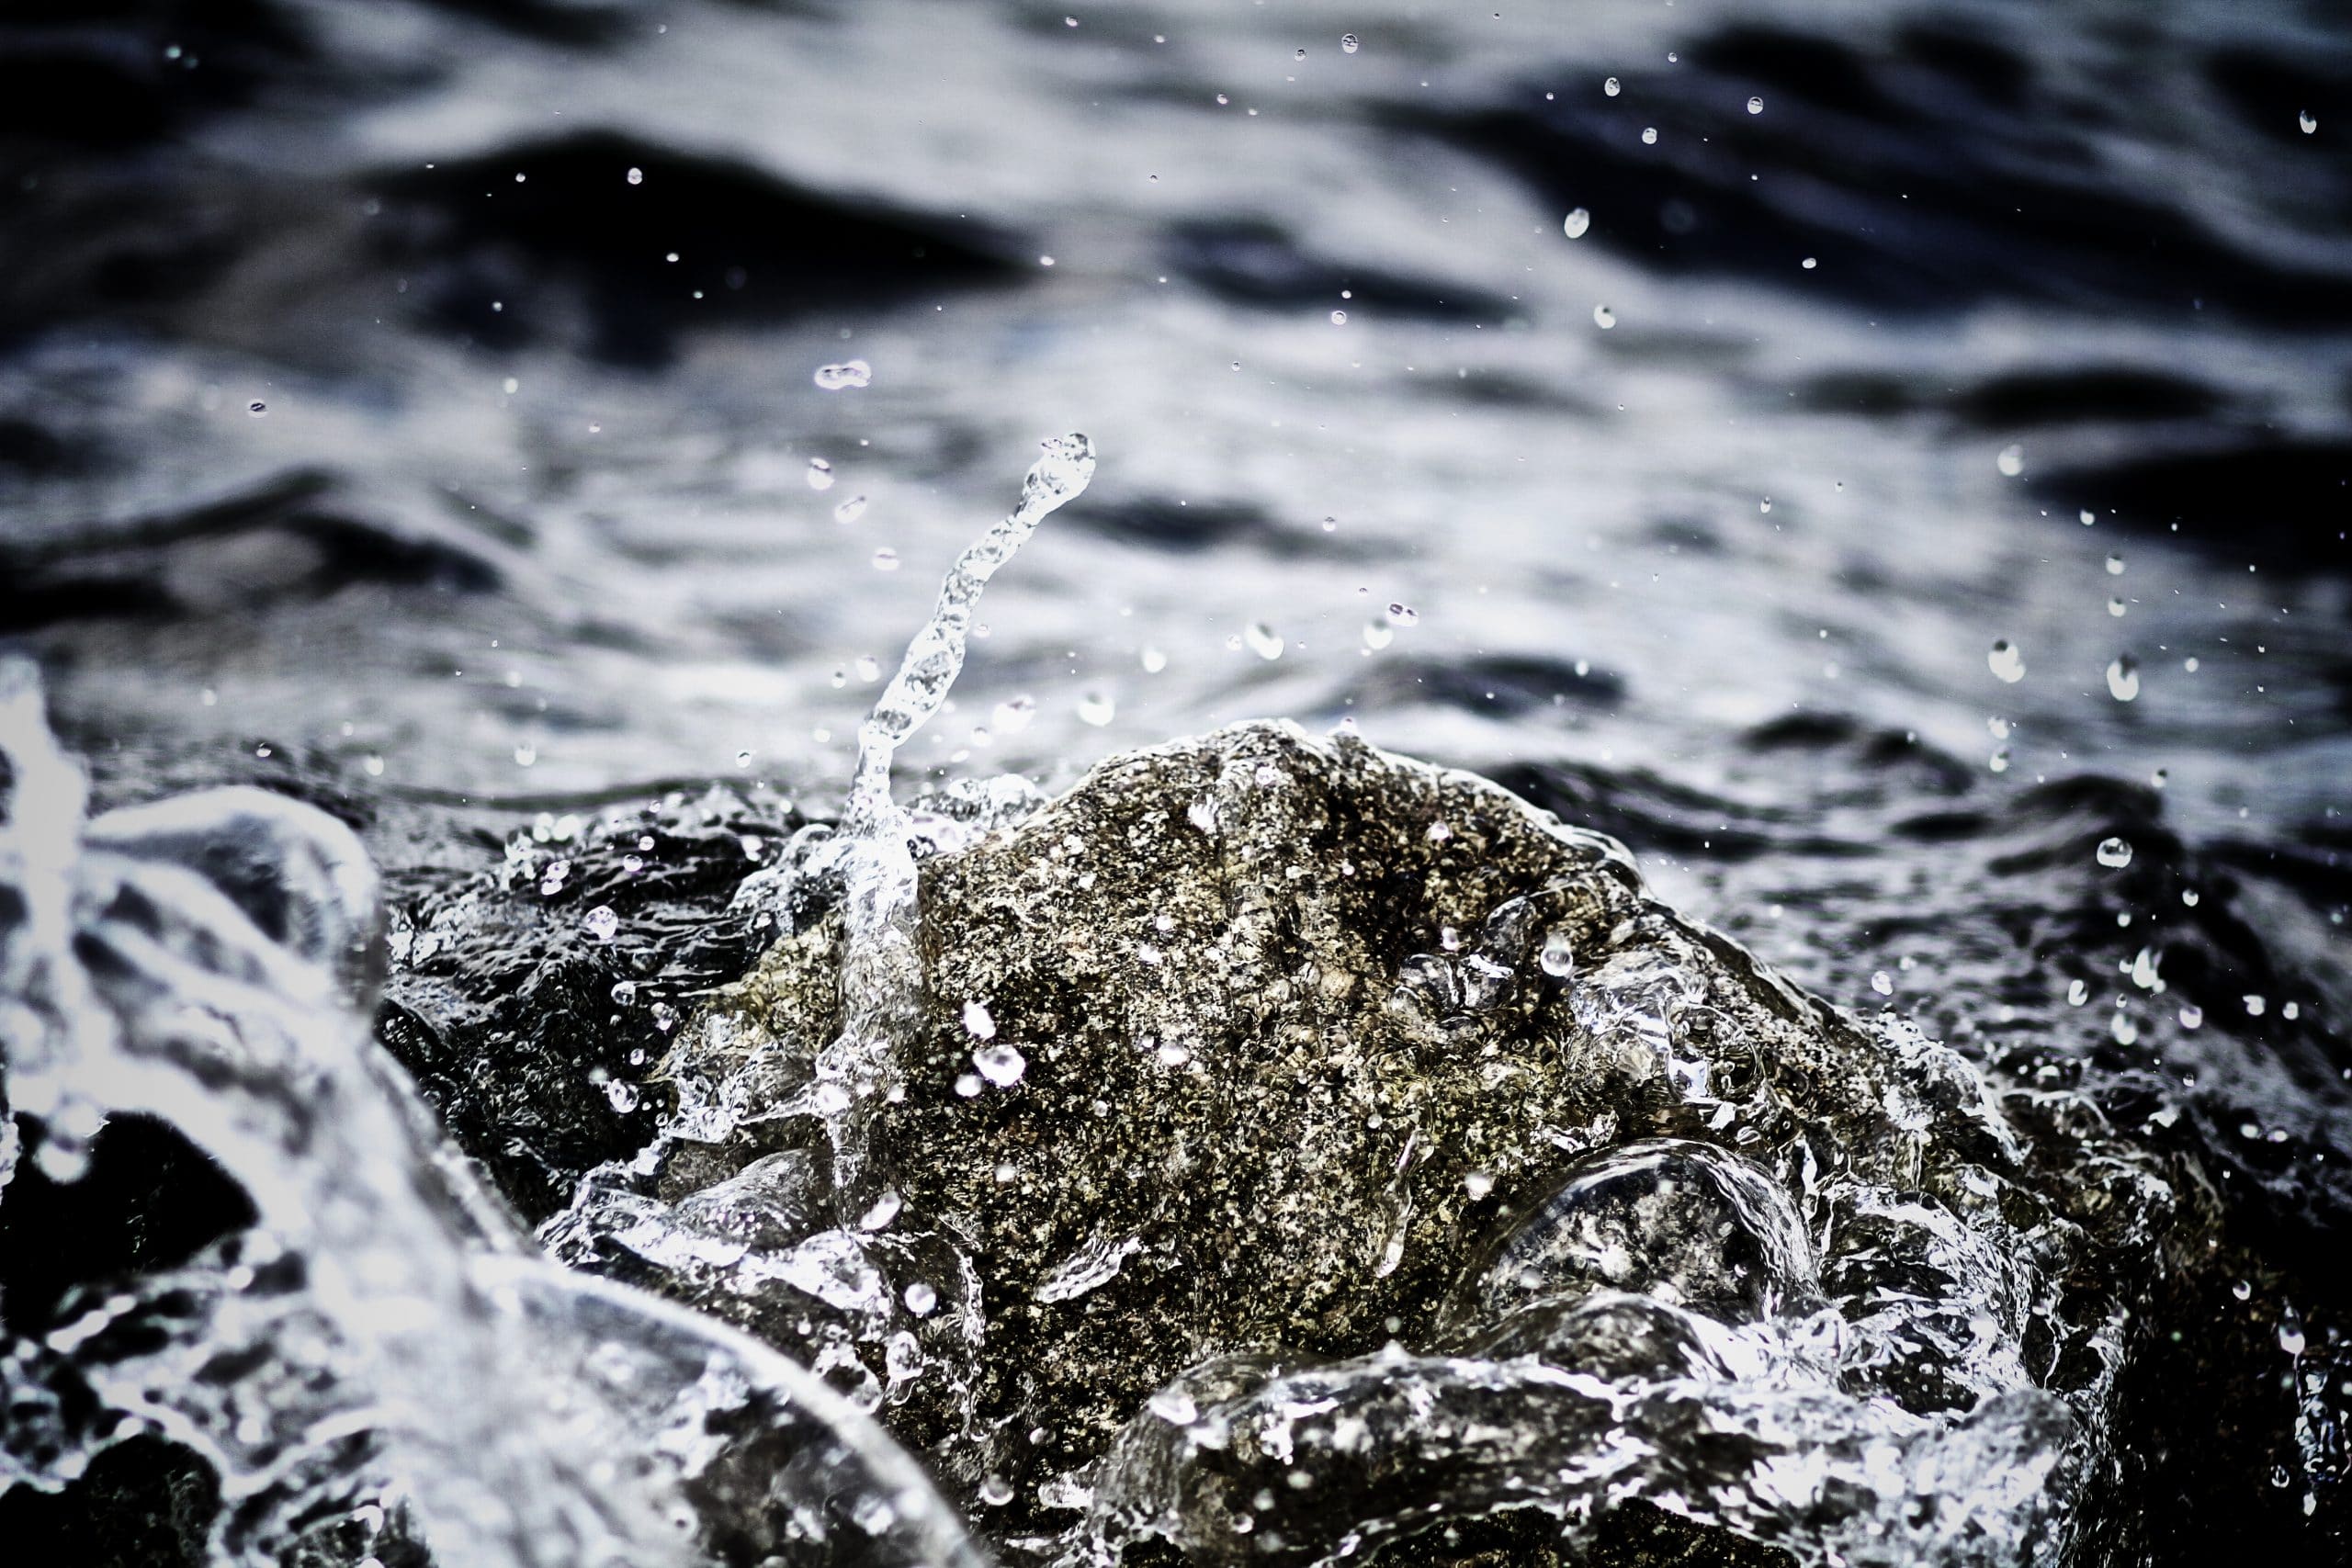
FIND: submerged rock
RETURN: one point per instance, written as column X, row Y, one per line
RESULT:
column 1286, row 1106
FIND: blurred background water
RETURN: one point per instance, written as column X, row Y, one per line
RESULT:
column 1863, row 455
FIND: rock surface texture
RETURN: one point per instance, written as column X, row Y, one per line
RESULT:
column 1306, row 1148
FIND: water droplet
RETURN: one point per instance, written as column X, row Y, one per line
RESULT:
column 2291, row 1332
column 1603, row 317
column 976, row 1020
column 2114, row 566
column 1809, row 262
column 921, row 1298
column 1579, row 221
column 1611, row 87
column 1882, row 983
column 2006, row 662
column 1264, row 640
column 1754, row 105
column 995, row 1490
column 1477, row 1183
column 1349, row 43
column 1649, row 136
column 621, row 1096
column 625, row 993
column 2077, row 993
column 601, row 923
column 2308, row 120
column 257, row 408
column 2116, row 606
column 1298, row 54
column 2123, row 678
column 2011, row 461
column 1403, row 615
column 1000, row 1063
column 1339, row 318
column 849, row 510
column 1557, row 956
column 2243, row 1291
column 637, row 176
column 2114, row 854
column 1012, row 716
column 2191, row 1016
column 1152, row 660
column 821, row 474
column 1378, row 634
column 2255, row 1005
column 886, row 560
column 884, row 1210
column 1095, row 707
column 848, row 373
column 1765, row 505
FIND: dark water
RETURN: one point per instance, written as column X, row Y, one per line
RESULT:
column 416, row 406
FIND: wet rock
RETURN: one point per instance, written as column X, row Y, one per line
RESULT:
column 1299, row 1058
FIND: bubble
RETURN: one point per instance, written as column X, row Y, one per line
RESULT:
column 2006, row 662
column 1579, row 221
column 1264, row 640
column 1339, row 318
column 601, row 923
column 2123, row 678
column 886, row 560
column 1349, row 43
column 920, row 1299
column 1002, row 1065
column 1649, row 136
column 1603, row 317
column 1403, row 614
column 2114, row 854
column 1754, row 105
column 848, row 373
column 820, row 474
column 1611, row 87
column 1882, row 983
column 2308, row 120
column 1557, row 956
column 1378, row 634
column 637, row 176
column 2011, row 461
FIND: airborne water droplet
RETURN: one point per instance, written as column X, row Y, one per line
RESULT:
column 1264, row 640
column 601, row 923
column 1096, row 708
column 1579, row 221
column 2114, row 854
column 821, row 474
column 1882, row 983
column 1339, row 318
column 2007, row 661
column 1012, row 716
column 849, row 510
column 2011, row 461
column 848, row 373
column 1603, row 317
column 886, row 560
column 1403, row 615
column 2308, row 120
column 1649, row 136
column 977, row 1020
column 2077, row 993
column 921, row 1298
column 1000, row 1065
column 1349, row 43
column 1378, row 634
column 2123, row 679
column 1754, row 105
column 1611, row 87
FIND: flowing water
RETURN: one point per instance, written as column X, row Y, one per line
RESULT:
column 1887, row 465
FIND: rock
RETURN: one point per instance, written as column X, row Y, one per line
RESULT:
column 1295, row 1055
